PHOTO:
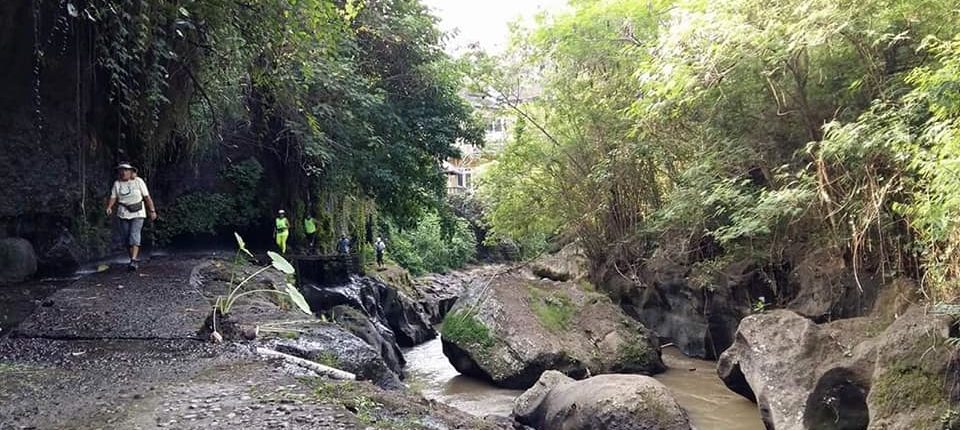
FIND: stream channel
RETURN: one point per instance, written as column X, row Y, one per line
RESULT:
column 694, row 383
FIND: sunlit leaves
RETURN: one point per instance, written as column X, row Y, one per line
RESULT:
column 759, row 124
column 280, row 263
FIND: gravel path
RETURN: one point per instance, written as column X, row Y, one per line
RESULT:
column 119, row 350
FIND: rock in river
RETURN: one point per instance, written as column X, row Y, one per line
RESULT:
column 333, row 346
column 375, row 334
column 845, row 375
column 381, row 302
column 613, row 402
column 513, row 328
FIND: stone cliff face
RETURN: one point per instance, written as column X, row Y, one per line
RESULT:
column 61, row 134
column 700, row 309
column 52, row 159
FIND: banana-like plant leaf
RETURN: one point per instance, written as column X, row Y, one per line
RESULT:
column 298, row 299
column 280, row 263
column 241, row 244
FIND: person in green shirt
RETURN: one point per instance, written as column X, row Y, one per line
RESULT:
column 282, row 231
column 310, row 228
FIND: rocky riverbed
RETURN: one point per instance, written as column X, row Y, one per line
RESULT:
column 123, row 350
column 132, row 350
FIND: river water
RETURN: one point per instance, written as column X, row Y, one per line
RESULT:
column 694, row 383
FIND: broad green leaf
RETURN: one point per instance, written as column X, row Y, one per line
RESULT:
column 280, row 263
column 298, row 299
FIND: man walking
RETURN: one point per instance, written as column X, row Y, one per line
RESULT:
column 379, row 246
column 130, row 193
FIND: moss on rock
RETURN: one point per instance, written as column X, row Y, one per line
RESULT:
column 903, row 387
column 463, row 328
column 636, row 356
column 554, row 310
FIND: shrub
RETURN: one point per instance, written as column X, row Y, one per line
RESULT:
column 202, row 212
column 463, row 328
column 433, row 246
column 635, row 355
column 193, row 214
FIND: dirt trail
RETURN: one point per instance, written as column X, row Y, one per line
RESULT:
column 118, row 350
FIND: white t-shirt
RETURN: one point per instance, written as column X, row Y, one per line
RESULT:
column 128, row 193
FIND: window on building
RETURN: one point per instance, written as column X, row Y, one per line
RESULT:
column 497, row 125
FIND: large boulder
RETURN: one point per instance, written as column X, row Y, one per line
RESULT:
column 380, row 302
column 375, row 334
column 333, row 346
column 567, row 264
column 613, row 402
column 696, row 301
column 18, row 261
column 437, row 293
column 356, row 342
column 512, row 328
column 848, row 374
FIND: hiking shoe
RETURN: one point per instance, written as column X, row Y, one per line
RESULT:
column 134, row 265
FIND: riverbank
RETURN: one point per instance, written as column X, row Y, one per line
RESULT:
column 121, row 350
column 694, row 383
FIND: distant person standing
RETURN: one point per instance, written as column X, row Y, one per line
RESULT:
column 281, row 230
column 130, row 193
column 379, row 246
column 343, row 246
column 310, row 228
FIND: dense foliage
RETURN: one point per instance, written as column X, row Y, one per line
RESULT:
column 340, row 101
column 758, row 127
column 203, row 212
column 437, row 244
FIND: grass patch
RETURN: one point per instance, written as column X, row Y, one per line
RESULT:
column 8, row 367
column 15, row 368
column 654, row 409
column 587, row 286
column 463, row 328
column 555, row 311
column 369, row 410
column 328, row 359
column 904, row 387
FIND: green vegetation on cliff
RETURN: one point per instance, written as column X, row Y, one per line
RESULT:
column 346, row 107
column 437, row 244
column 735, row 130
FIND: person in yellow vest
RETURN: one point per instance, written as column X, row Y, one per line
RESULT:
column 310, row 228
column 282, row 230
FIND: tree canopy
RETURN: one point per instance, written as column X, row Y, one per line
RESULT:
column 353, row 97
column 758, row 126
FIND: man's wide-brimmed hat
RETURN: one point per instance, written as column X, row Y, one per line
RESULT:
column 126, row 166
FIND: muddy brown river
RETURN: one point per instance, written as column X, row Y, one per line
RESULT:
column 694, row 383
